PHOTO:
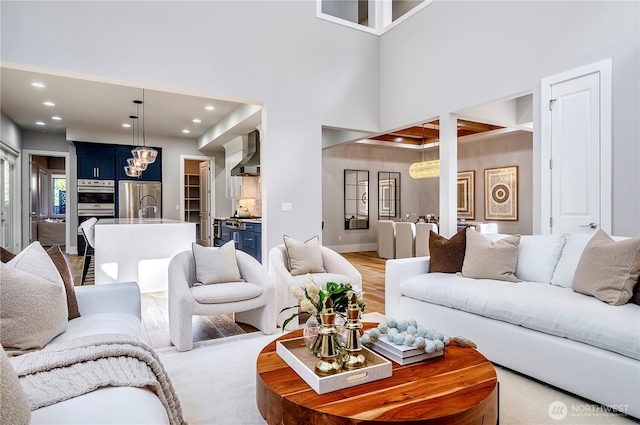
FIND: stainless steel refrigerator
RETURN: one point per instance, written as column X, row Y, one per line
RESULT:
column 139, row 197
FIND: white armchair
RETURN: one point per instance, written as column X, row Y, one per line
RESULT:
column 240, row 298
column 338, row 270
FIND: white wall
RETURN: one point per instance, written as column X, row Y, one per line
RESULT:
column 493, row 50
column 307, row 72
column 10, row 133
column 504, row 150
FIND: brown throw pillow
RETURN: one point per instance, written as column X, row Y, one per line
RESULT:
column 6, row 255
column 56, row 255
column 447, row 255
column 608, row 270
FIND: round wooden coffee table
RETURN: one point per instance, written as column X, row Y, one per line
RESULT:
column 460, row 387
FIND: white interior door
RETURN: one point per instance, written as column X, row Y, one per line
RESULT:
column 205, row 204
column 579, row 117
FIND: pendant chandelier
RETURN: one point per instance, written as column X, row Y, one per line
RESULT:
column 424, row 169
column 143, row 153
column 135, row 168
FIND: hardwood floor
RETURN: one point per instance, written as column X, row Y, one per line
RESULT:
column 155, row 317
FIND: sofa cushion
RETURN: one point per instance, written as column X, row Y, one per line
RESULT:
column 538, row 256
column 100, row 323
column 537, row 306
column 56, row 255
column 14, row 407
column 321, row 279
column 216, row 265
column 304, row 257
column 228, row 292
column 447, row 255
column 484, row 259
column 608, row 270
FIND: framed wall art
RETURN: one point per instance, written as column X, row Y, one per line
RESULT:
column 467, row 195
column 501, row 193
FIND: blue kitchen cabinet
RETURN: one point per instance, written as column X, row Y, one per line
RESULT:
column 96, row 161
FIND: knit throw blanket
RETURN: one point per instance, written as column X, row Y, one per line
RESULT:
column 71, row 368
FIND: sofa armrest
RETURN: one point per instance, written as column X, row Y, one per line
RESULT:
column 396, row 272
column 109, row 298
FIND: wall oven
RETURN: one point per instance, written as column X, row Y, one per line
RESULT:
column 96, row 198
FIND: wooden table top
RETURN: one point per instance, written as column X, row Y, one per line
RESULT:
column 457, row 388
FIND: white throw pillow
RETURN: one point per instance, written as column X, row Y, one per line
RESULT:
column 14, row 407
column 538, row 257
column 576, row 242
column 484, row 259
column 216, row 265
column 304, row 257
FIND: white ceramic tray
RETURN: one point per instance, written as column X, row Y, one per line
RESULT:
column 295, row 353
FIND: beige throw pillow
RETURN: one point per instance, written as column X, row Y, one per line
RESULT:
column 216, row 265
column 14, row 408
column 608, row 270
column 484, row 259
column 304, row 257
column 33, row 310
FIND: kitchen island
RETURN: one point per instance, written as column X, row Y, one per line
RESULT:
column 130, row 249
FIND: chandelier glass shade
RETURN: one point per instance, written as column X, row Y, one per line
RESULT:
column 138, row 165
column 132, row 172
column 144, row 154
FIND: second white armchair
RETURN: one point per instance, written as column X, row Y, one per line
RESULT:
column 337, row 269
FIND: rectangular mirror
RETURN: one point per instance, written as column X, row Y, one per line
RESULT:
column 356, row 199
column 388, row 195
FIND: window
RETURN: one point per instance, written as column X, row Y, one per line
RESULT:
column 374, row 16
column 59, row 194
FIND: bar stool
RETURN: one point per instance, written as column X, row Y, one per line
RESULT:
column 405, row 239
column 88, row 233
column 422, row 238
column 387, row 239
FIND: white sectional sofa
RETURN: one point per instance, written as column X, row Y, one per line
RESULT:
column 105, row 309
column 539, row 326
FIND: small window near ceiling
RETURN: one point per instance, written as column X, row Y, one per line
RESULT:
column 59, row 194
column 374, row 16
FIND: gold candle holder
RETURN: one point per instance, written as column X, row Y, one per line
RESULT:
column 328, row 364
column 353, row 358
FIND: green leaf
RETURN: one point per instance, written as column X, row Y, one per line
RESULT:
column 286, row 322
column 287, row 308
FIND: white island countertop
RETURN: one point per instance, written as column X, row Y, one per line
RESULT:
column 130, row 249
column 104, row 221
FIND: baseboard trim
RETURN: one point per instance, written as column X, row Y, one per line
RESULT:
column 355, row 247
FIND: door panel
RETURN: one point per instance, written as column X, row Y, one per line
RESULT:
column 575, row 154
column 205, row 205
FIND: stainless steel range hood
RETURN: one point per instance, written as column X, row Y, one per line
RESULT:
column 250, row 164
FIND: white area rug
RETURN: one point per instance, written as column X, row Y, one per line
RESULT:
column 216, row 385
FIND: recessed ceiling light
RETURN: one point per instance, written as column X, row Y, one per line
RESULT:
column 38, row 85
column 186, row 131
column 209, row 108
column 197, row 121
column 47, row 103
column 125, row 125
column 398, row 139
column 40, row 123
column 56, row 118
